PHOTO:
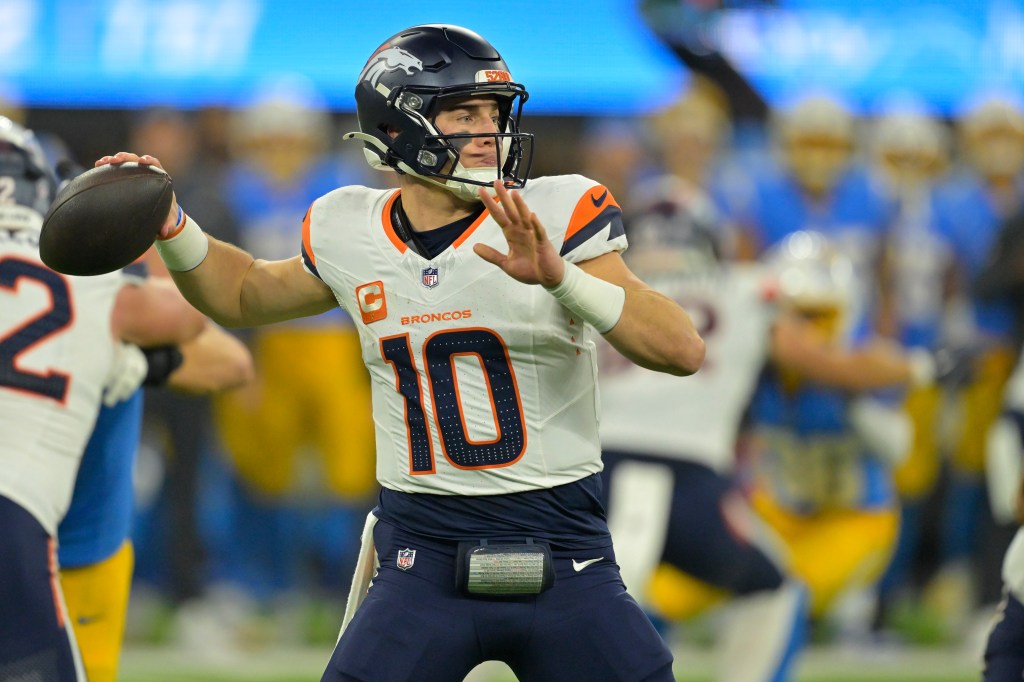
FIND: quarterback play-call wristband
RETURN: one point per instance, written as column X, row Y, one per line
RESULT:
column 187, row 248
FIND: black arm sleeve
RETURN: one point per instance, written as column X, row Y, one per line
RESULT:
column 163, row 360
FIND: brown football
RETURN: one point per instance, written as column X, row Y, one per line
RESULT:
column 105, row 218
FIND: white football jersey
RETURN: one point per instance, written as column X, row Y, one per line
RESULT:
column 482, row 385
column 56, row 350
column 1013, row 565
column 1013, row 394
column 694, row 418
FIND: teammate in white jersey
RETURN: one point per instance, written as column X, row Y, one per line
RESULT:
column 1004, row 652
column 489, row 536
column 670, row 446
column 59, row 340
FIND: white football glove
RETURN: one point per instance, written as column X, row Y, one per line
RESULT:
column 126, row 373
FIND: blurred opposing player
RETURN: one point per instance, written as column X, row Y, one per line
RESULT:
column 1004, row 652
column 690, row 137
column 909, row 154
column 822, row 474
column 478, row 330
column 819, row 185
column 59, row 339
column 95, row 550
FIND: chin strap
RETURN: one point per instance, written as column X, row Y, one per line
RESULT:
column 467, row 191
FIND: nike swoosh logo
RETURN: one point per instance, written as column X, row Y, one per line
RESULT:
column 580, row 565
column 599, row 200
column 86, row 620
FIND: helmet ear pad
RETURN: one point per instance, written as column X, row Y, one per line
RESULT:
column 414, row 146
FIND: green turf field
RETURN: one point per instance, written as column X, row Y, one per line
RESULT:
column 819, row 664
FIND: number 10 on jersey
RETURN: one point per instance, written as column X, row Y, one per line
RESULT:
column 440, row 351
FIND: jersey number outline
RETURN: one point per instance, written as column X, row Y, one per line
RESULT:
column 7, row 187
column 53, row 385
column 439, row 353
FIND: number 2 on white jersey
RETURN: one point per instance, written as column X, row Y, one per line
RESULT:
column 31, row 332
column 439, row 353
column 7, row 188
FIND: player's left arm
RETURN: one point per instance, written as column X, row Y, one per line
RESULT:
column 653, row 331
column 648, row 328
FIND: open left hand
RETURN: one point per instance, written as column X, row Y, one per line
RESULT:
column 531, row 257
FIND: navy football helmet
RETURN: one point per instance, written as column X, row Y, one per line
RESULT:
column 405, row 84
column 25, row 176
column 674, row 227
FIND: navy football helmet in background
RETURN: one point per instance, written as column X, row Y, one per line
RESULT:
column 25, row 176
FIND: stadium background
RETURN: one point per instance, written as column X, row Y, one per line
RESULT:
column 83, row 71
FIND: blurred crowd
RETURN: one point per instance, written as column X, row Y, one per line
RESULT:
column 250, row 503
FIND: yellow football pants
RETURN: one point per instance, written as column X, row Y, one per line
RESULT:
column 97, row 601
column 915, row 477
column 834, row 550
column 311, row 390
column 981, row 403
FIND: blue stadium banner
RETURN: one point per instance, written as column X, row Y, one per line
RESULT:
column 576, row 57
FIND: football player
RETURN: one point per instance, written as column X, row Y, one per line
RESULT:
column 817, row 184
column 669, row 447
column 822, row 473
column 676, row 498
column 1004, row 652
column 60, row 339
column 477, row 297
column 692, row 136
column 910, row 154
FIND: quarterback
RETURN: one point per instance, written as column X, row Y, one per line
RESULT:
column 477, row 298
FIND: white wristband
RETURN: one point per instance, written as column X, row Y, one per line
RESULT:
column 598, row 302
column 186, row 249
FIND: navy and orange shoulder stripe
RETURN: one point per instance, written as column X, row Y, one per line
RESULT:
column 308, row 255
column 596, row 209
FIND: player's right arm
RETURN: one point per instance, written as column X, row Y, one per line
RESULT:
column 233, row 288
column 236, row 290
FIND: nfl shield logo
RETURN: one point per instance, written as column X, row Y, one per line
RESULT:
column 430, row 278
column 406, row 558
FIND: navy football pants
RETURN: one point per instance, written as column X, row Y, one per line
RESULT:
column 1004, row 653
column 35, row 641
column 416, row 625
column 699, row 540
